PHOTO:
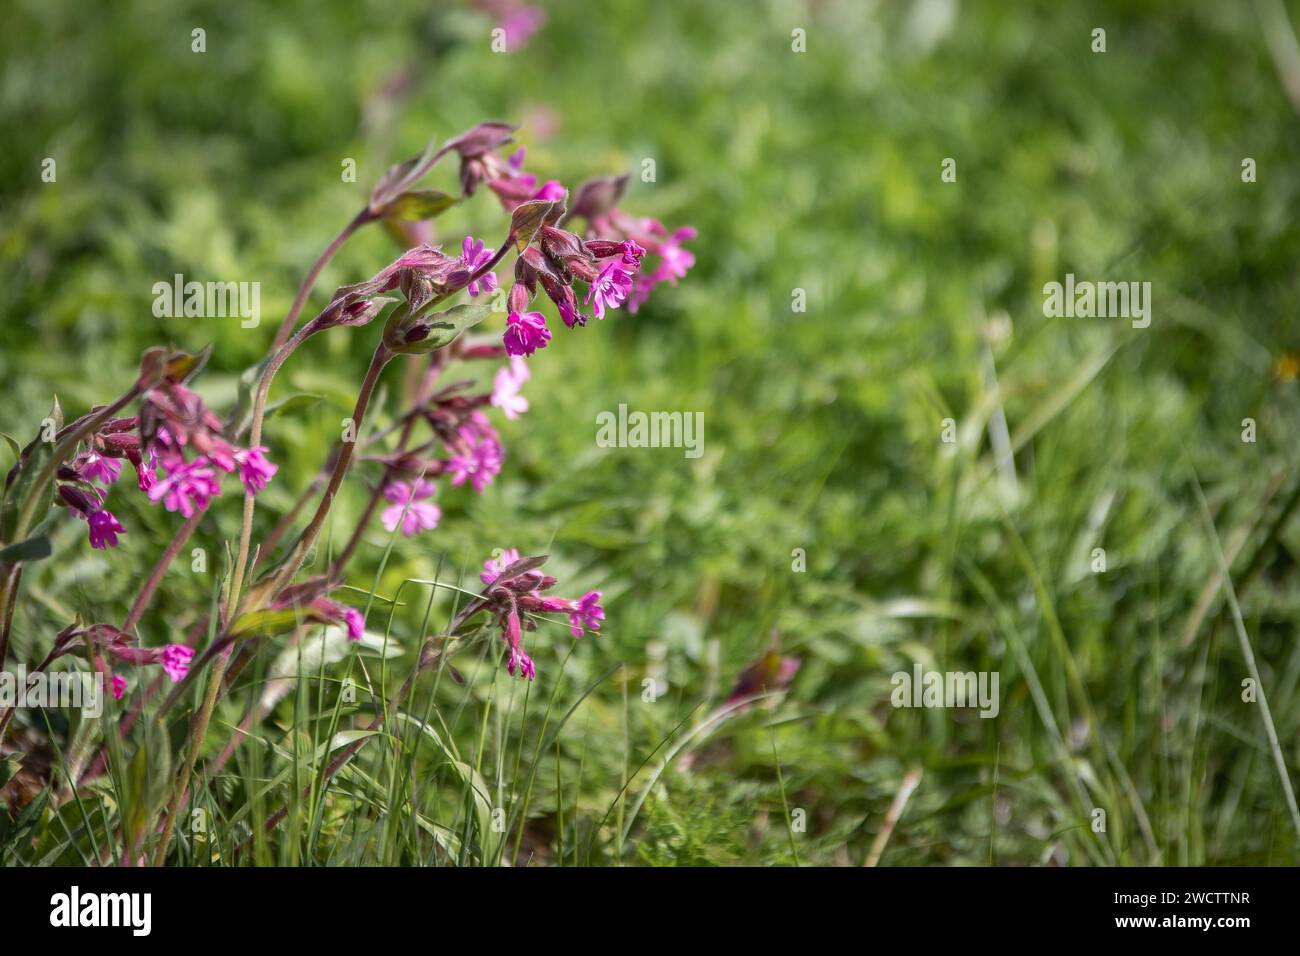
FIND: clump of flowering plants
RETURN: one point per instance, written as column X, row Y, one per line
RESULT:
column 586, row 257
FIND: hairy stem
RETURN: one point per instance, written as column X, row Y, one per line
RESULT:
column 296, row 557
column 286, row 327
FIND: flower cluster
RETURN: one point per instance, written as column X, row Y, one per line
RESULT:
column 512, row 593
column 597, row 202
column 107, row 640
column 173, row 421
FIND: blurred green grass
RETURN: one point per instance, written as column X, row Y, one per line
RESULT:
column 817, row 171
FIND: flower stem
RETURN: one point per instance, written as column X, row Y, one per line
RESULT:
column 298, row 555
column 196, row 740
column 309, row 282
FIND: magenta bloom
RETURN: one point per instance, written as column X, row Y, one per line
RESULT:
column 176, row 661
column 255, row 471
column 520, row 23
column 474, row 255
column 505, row 394
column 187, row 488
column 587, row 614
column 95, row 467
column 144, row 470
column 552, row 191
column 356, row 623
column 119, row 687
column 480, row 462
column 609, row 289
column 523, row 662
column 493, row 567
column 408, row 507
column 104, row 529
column 526, row 332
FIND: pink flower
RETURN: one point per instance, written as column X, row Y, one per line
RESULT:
column 104, row 529
column 474, row 255
column 520, row 24
column 480, row 462
column 505, row 394
column 119, row 687
column 523, row 662
column 255, row 471
column 95, row 467
column 493, row 567
column 144, row 470
column 408, row 509
column 187, row 488
column 176, row 661
column 552, row 191
column 587, row 614
column 356, row 623
column 675, row 263
column 609, row 289
column 526, row 332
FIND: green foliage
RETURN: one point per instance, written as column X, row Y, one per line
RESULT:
column 816, row 171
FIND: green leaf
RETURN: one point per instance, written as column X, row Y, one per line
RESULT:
column 419, row 205
column 295, row 402
column 9, row 767
column 443, row 327
column 34, row 548
column 266, row 623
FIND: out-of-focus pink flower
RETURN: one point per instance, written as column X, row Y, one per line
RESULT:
column 479, row 462
column 119, row 686
column 355, row 622
column 552, row 191
column 526, row 332
column 255, row 470
column 104, row 529
column 494, row 566
column 176, row 661
column 95, row 467
column 587, row 613
column 520, row 23
column 408, row 507
column 187, row 488
column 505, row 394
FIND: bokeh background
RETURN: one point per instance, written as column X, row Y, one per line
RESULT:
column 820, row 171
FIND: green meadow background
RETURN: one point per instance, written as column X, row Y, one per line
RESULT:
column 1121, row 690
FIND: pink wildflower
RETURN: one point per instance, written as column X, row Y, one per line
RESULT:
column 176, row 661
column 95, row 467
column 187, row 488
column 408, row 507
column 255, row 471
column 505, row 393
column 355, row 622
column 104, row 529
column 609, row 289
column 587, row 613
column 119, row 686
column 526, row 332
